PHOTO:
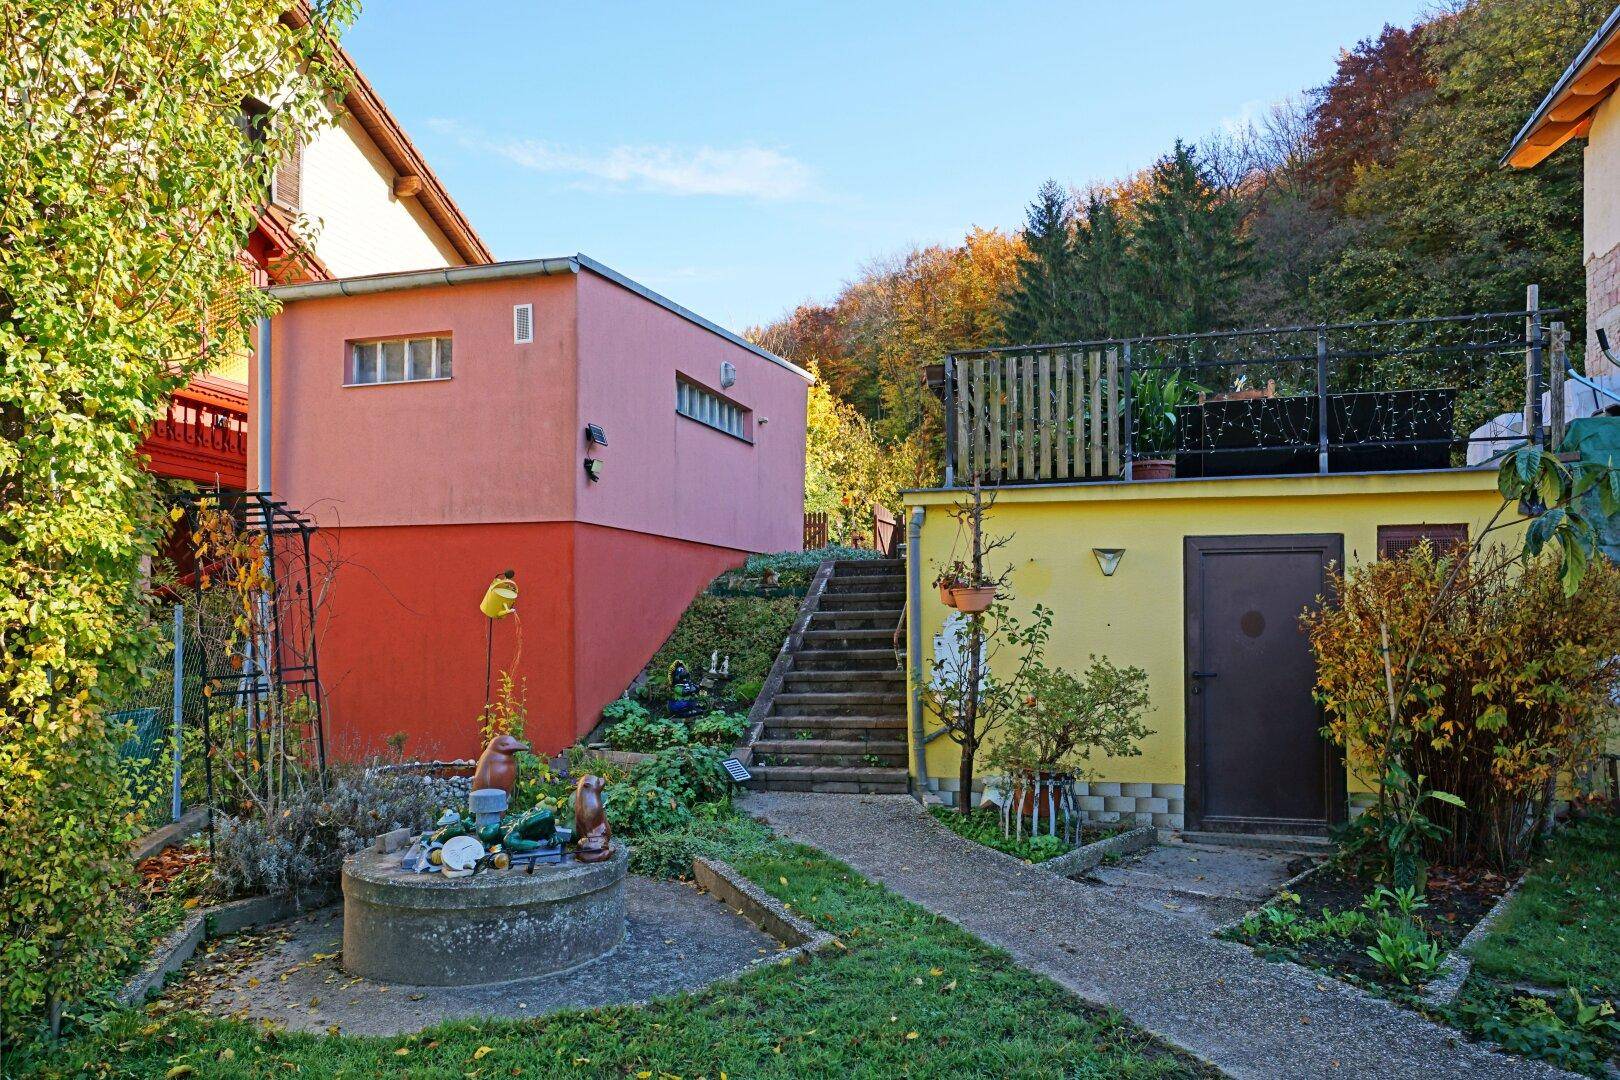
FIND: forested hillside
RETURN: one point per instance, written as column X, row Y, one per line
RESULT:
column 1377, row 195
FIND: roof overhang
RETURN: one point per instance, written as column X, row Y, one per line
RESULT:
column 366, row 106
column 1566, row 112
column 522, row 268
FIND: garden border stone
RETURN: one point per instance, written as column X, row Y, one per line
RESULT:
column 725, row 883
column 1442, row 990
column 171, row 835
column 1290, row 885
column 220, row 920
column 1089, row 856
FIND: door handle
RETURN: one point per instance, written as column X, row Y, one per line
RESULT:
column 1198, row 686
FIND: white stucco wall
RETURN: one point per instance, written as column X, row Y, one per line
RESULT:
column 1602, row 187
column 357, row 225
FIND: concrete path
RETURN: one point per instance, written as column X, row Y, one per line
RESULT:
column 1206, row 884
column 1216, row 999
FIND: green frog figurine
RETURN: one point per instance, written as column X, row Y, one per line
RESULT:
column 528, row 831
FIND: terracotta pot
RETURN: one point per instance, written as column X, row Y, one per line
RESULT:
column 1025, row 800
column 1153, row 469
column 973, row 599
column 945, row 596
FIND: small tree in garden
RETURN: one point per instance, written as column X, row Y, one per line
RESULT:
column 131, row 181
column 1065, row 719
column 969, row 697
column 1462, row 684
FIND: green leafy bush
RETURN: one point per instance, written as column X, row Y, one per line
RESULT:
column 662, row 793
column 720, row 729
column 1569, row 1032
column 645, row 733
column 723, row 835
column 624, row 709
column 984, row 827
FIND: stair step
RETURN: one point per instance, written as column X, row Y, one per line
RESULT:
column 848, row 634
column 868, row 780
column 889, row 599
column 814, row 699
column 861, row 660
column 858, row 565
column 848, row 753
column 865, row 722
column 855, row 620
column 867, row 583
column 813, row 678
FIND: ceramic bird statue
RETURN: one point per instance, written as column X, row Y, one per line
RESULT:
column 497, row 768
column 590, row 823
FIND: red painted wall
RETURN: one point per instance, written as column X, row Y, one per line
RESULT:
column 402, row 643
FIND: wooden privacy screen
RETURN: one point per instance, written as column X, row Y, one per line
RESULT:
column 1039, row 416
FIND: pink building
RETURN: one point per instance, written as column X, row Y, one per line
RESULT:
column 436, row 425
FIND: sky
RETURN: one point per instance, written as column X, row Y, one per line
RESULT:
column 743, row 158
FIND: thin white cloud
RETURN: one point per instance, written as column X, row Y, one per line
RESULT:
column 747, row 172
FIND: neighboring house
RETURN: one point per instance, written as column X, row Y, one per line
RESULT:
column 437, row 427
column 1200, row 579
column 1581, row 105
column 357, row 199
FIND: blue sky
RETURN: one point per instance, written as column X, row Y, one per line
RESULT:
column 743, row 158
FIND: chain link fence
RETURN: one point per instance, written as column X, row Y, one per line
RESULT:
column 154, row 726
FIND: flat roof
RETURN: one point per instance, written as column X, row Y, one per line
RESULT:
column 400, row 281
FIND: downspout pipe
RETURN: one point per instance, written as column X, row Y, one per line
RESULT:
column 261, row 406
column 919, row 745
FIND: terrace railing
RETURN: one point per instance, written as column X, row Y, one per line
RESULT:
column 1342, row 397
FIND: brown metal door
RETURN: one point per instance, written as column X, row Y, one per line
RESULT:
column 1256, row 759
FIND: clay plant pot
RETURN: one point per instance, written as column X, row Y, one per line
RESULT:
column 1153, row 469
column 973, row 599
column 945, row 596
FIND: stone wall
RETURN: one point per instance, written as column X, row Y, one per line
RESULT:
column 1161, row 805
column 1602, row 308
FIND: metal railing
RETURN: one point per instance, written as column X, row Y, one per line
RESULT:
column 1343, row 397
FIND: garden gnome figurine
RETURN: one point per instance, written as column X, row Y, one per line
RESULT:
column 590, row 824
column 497, row 768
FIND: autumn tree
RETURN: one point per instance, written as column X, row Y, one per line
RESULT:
column 131, row 180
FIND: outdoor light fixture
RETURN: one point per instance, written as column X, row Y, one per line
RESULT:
column 728, row 374
column 1108, row 559
column 593, row 469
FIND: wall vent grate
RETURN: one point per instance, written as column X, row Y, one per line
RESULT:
column 523, row 324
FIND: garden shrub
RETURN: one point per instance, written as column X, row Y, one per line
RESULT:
column 724, row 835
column 645, row 733
column 720, row 729
column 1510, row 687
column 749, row 629
column 305, row 844
column 1065, row 719
column 662, row 793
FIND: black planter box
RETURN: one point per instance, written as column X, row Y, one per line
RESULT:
column 1378, row 431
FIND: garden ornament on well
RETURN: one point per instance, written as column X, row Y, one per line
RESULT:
column 590, row 824
column 497, row 768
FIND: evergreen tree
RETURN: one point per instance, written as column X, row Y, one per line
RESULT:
column 1188, row 258
column 1041, row 306
column 1100, row 272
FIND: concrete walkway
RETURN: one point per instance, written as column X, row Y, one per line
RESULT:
column 1216, row 999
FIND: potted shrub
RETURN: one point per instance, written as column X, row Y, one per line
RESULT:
column 1065, row 719
column 1155, row 395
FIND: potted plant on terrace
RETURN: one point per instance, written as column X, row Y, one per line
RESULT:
column 973, row 594
column 1155, row 396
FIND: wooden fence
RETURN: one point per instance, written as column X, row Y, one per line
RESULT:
column 815, row 530
column 1034, row 416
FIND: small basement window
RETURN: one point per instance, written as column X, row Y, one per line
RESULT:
column 706, row 407
column 399, row 360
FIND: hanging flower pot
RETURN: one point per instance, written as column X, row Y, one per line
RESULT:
column 945, row 596
column 973, row 599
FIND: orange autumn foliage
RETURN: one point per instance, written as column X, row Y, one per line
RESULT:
column 1503, row 684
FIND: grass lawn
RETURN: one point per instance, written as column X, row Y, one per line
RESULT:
column 1563, row 929
column 1562, row 932
column 905, row 994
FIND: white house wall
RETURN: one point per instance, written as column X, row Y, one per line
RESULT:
column 357, row 224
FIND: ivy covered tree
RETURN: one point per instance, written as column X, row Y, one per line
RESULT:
column 130, row 177
column 1041, row 304
column 1189, row 257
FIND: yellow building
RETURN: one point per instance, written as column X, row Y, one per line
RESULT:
column 1211, row 578
column 1184, row 531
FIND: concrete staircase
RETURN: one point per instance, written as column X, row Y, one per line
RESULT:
column 839, row 721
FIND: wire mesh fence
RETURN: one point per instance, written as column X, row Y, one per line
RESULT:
column 154, row 724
